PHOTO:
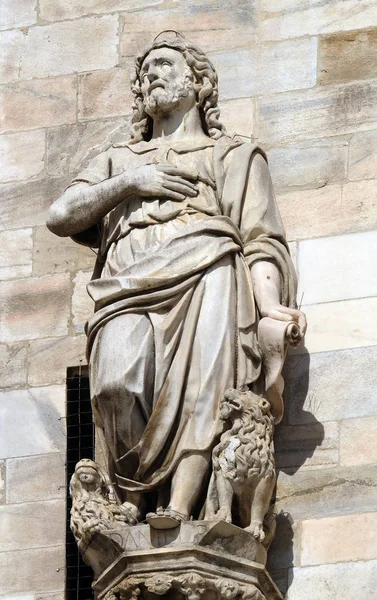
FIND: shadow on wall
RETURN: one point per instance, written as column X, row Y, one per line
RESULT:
column 296, row 440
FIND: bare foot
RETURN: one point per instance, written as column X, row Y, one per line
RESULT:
column 256, row 529
column 224, row 514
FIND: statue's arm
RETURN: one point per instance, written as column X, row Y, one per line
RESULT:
column 266, row 277
column 82, row 205
column 266, row 285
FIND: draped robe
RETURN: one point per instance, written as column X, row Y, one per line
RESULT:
column 175, row 318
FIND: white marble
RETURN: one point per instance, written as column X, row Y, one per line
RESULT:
column 331, row 386
column 337, row 325
column 22, row 155
column 346, row 581
column 32, row 421
column 18, row 597
column 338, row 268
column 295, row 18
column 70, row 46
column 289, row 65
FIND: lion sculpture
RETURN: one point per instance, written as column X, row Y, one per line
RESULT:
column 243, row 477
column 92, row 510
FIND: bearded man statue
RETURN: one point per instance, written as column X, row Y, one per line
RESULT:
column 191, row 255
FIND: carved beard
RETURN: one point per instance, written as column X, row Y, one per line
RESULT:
column 165, row 100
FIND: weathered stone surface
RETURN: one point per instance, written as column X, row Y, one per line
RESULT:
column 32, row 525
column 35, row 307
column 264, row 70
column 15, row 253
column 331, row 386
column 307, row 446
column 52, row 254
column 285, row 548
column 14, row 363
column 239, row 116
column 358, row 441
column 339, row 539
column 38, row 103
column 11, row 45
column 306, row 213
column 105, row 94
column 338, row 268
column 2, row 482
column 363, row 156
column 312, row 494
column 71, row 46
column 346, row 56
column 208, row 23
column 311, row 163
column 213, row 26
column 339, row 325
column 25, row 204
column 334, row 582
column 321, row 112
column 23, row 597
column 293, row 247
column 212, row 40
column 31, row 421
column 39, row 569
column 330, row 210
column 17, row 13
column 69, row 148
column 36, row 478
column 49, row 359
column 32, row 596
column 56, row 10
column 280, row 579
column 215, row 40
column 22, row 155
column 295, row 18
column 82, row 304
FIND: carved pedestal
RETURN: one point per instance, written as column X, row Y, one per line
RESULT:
column 196, row 561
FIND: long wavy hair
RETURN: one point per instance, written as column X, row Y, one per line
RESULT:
column 205, row 78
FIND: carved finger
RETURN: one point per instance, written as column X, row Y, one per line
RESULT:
column 181, row 188
column 179, row 179
column 279, row 315
column 181, row 171
column 294, row 312
column 174, row 195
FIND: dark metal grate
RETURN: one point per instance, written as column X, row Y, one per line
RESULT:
column 80, row 444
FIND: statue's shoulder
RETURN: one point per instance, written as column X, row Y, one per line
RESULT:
column 135, row 147
column 235, row 147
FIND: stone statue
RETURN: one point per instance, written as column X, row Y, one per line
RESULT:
column 92, row 510
column 243, row 462
column 194, row 293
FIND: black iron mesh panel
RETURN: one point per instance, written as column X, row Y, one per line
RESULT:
column 80, row 444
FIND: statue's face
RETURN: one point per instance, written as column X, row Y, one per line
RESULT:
column 166, row 82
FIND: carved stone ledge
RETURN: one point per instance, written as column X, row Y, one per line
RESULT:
column 197, row 561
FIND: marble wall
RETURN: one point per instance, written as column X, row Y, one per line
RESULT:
column 298, row 76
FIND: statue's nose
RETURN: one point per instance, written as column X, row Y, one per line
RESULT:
column 152, row 74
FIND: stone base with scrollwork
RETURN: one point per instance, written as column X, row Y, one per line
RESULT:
column 198, row 560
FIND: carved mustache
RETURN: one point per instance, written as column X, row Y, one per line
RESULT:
column 155, row 84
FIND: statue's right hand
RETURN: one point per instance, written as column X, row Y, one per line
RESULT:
column 165, row 180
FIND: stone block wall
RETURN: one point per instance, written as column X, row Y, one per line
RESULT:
column 298, row 76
